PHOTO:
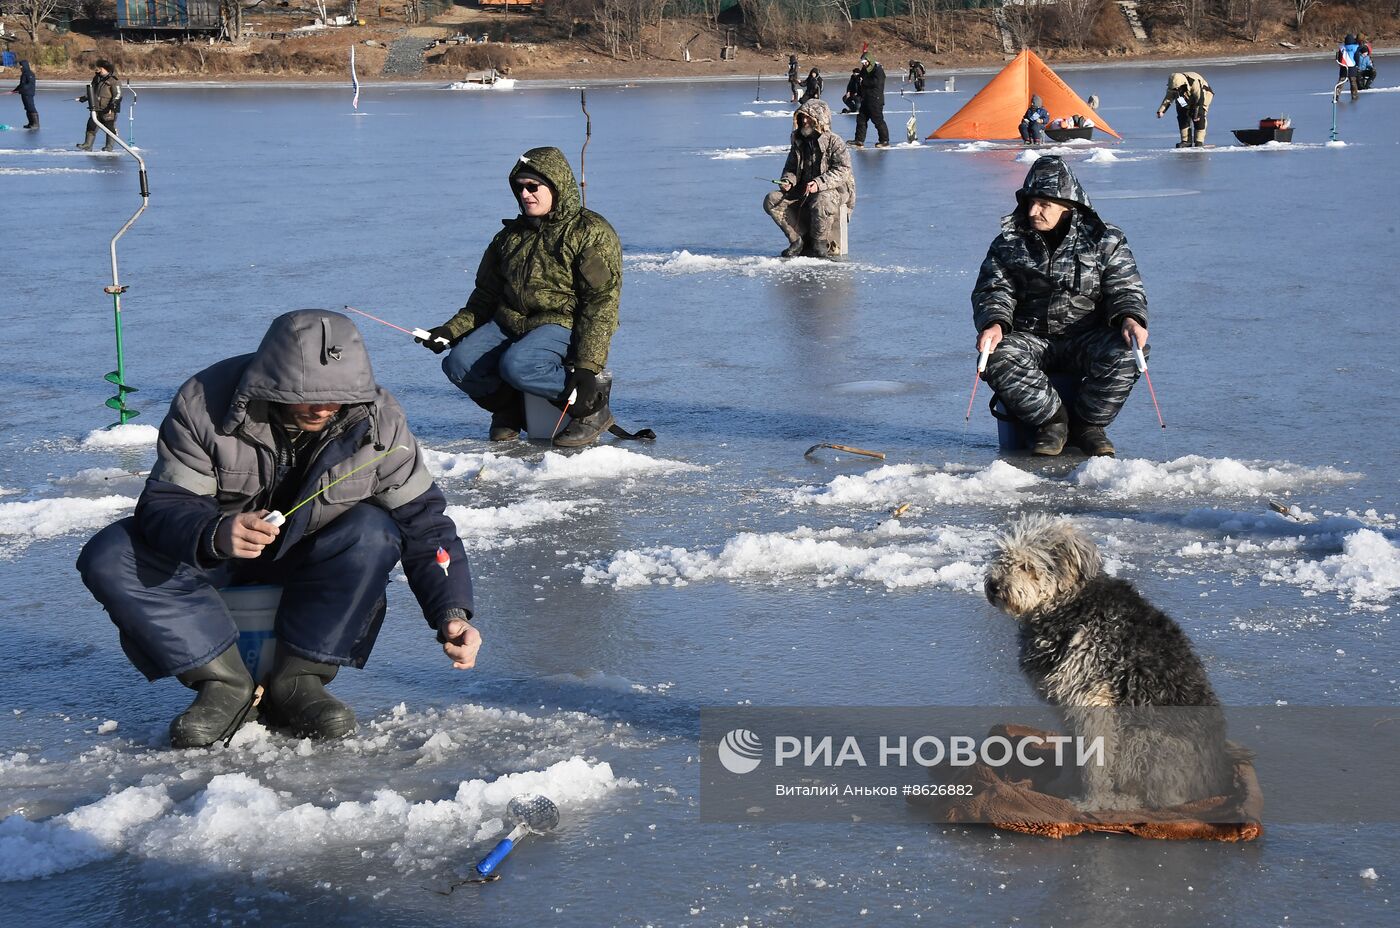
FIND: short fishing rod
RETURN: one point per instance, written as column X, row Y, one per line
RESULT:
column 1142, row 369
column 982, row 357
column 275, row 518
column 423, row 334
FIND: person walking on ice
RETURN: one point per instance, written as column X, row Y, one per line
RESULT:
column 1191, row 96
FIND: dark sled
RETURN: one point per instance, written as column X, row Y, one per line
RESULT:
column 1261, row 136
column 1065, row 135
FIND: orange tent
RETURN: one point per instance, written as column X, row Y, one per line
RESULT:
column 996, row 111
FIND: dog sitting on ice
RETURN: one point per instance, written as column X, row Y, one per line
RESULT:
column 1096, row 649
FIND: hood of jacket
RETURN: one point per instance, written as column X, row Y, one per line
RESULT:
column 1052, row 179
column 551, row 164
column 815, row 110
column 24, row 66
column 307, row 356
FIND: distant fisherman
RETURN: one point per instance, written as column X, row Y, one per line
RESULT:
column 542, row 315
column 850, row 100
column 872, row 103
column 1192, row 96
column 1059, row 291
column 792, row 78
column 1347, row 66
column 103, row 97
column 917, row 74
column 816, row 182
column 261, row 432
column 812, row 87
column 25, row 89
column 1032, row 126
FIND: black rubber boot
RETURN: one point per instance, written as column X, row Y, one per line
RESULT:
column 585, row 431
column 507, row 409
column 1050, row 438
column 793, row 250
column 296, row 699
column 1093, row 441
column 224, row 702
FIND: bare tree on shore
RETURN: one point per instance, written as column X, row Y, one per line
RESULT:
column 1077, row 17
column 34, row 13
column 1301, row 7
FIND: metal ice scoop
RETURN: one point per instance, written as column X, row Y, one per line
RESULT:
column 531, row 814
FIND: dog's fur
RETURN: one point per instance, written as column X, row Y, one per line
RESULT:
column 1092, row 646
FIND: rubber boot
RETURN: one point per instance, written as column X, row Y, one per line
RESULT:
column 585, row 431
column 1185, row 138
column 507, row 409
column 793, row 250
column 1093, row 441
column 296, row 699
column 1050, row 437
column 224, row 702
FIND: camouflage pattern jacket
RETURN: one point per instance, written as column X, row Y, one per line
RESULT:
column 822, row 157
column 1090, row 280
column 563, row 269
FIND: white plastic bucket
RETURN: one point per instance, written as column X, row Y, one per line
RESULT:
column 254, row 611
column 540, row 418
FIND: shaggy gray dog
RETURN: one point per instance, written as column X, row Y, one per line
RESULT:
column 1111, row 661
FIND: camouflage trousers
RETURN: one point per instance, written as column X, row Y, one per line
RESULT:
column 1017, row 371
column 813, row 218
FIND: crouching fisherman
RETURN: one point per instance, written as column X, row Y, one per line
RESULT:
column 1059, row 291
column 542, row 315
column 263, row 432
column 816, row 182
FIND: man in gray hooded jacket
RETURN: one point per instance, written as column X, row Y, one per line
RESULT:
column 302, row 419
column 816, row 182
column 1059, row 291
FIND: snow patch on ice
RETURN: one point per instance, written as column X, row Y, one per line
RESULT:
column 976, row 146
column 129, row 435
column 1101, row 156
column 1367, row 572
column 26, row 522
column 477, row 525
column 13, row 172
column 768, row 114
column 682, row 262
column 107, row 727
column 29, row 850
column 1031, row 155
column 740, row 154
column 951, row 558
column 1196, row 475
column 997, row 484
column 1338, row 143
column 604, row 462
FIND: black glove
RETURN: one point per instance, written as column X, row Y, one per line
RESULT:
column 586, row 383
column 432, row 343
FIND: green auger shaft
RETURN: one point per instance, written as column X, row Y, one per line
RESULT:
column 118, row 377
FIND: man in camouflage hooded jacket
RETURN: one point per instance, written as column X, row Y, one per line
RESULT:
column 816, row 182
column 1059, row 291
column 542, row 315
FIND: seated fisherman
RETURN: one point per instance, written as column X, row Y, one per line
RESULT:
column 542, row 315
column 1059, row 291
column 262, row 432
column 1033, row 123
column 816, row 182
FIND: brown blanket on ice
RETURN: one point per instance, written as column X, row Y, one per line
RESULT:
column 1012, row 797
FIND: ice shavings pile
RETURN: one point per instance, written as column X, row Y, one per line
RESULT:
column 1366, row 572
column 949, row 557
column 768, row 114
column 997, row 484
column 477, row 526
column 603, row 462
column 129, row 435
column 682, row 262
column 740, row 154
column 26, row 522
column 238, row 822
column 1194, row 475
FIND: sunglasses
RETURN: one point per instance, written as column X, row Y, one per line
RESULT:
column 529, row 186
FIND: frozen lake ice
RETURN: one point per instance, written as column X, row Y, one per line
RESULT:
column 624, row 588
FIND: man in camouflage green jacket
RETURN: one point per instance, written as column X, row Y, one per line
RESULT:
column 544, row 309
column 817, row 181
column 1059, row 291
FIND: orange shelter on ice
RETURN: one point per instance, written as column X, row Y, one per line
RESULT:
column 995, row 112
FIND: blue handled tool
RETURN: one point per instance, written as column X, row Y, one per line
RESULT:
column 532, row 814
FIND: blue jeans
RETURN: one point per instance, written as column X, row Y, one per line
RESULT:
column 488, row 359
column 172, row 619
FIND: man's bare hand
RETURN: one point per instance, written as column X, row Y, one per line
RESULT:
column 990, row 338
column 245, row 535
column 811, row 187
column 1132, row 327
column 461, row 642
column 784, row 185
